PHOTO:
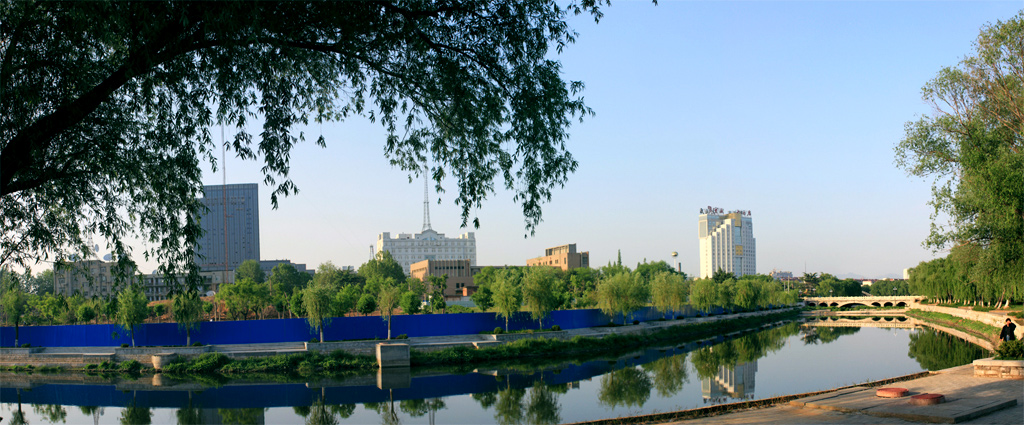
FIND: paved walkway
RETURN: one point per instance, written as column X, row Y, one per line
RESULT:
column 969, row 400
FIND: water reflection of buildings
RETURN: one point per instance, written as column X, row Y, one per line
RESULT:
column 735, row 383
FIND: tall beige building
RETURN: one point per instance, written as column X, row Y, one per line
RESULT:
column 726, row 242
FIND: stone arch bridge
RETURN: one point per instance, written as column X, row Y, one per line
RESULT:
column 870, row 301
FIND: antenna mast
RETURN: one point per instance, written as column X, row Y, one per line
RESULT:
column 426, row 201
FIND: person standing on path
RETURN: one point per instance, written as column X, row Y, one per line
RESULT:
column 1007, row 333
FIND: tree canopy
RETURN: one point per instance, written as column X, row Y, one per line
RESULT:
column 972, row 145
column 106, row 108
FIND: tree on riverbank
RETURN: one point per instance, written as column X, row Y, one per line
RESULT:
column 317, row 301
column 973, row 148
column 15, row 304
column 131, row 308
column 669, row 291
column 387, row 301
column 507, row 296
column 538, row 292
column 622, row 294
column 187, row 310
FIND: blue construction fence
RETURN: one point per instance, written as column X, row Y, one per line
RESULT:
column 298, row 330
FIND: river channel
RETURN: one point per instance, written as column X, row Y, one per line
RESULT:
column 788, row 359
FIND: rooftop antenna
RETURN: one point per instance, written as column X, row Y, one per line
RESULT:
column 426, row 201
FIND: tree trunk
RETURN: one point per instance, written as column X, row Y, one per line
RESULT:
column 188, row 336
column 321, row 333
column 131, row 330
column 506, row 324
column 389, row 327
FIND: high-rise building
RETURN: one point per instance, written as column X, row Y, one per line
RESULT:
column 564, row 257
column 726, row 242
column 231, row 227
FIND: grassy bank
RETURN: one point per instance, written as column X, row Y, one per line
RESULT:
column 342, row 363
column 587, row 346
column 978, row 329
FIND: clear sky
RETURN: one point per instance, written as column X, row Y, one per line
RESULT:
column 788, row 109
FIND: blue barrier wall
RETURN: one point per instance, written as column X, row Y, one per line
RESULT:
column 298, row 330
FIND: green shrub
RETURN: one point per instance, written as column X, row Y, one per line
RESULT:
column 197, row 344
column 498, row 330
column 90, row 366
column 314, row 340
column 130, row 366
column 1010, row 350
column 125, row 345
column 556, row 328
column 402, row 336
column 26, row 345
column 636, row 322
column 204, row 363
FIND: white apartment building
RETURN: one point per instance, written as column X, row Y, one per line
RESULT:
column 726, row 242
column 428, row 245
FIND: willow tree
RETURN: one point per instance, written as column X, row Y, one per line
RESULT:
column 508, row 294
column 187, row 311
column 972, row 146
column 669, row 291
column 539, row 293
column 132, row 308
column 106, row 108
column 317, row 300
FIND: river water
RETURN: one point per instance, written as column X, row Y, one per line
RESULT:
column 788, row 359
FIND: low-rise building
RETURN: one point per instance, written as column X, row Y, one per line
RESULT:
column 268, row 266
column 460, row 275
column 564, row 257
column 100, row 278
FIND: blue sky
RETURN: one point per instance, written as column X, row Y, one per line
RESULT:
column 788, row 109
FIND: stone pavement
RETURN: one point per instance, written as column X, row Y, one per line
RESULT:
column 970, row 399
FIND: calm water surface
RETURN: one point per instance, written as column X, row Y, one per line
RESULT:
column 784, row 360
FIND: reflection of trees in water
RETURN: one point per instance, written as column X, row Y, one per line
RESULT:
column 744, row 349
column 669, row 374
column 320, row 414
column 824, row 334
column 487, row 399
column 190, row 414
column 53, row 413
column 628, row 386
column 18, row 416
column 249, row 416
column 935, row 350
column 543, row 408
column 512, row 406
column 94, row 411
column 509, row 408
column 137, row 415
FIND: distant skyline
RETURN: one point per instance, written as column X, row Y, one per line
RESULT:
column 788, row 109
